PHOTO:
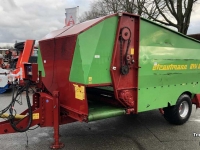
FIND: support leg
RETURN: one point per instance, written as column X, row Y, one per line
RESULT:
column 56, row 113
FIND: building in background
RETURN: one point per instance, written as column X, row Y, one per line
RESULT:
column 195, row 36
column 3, row 51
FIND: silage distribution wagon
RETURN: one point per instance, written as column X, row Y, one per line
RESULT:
column 113, row 65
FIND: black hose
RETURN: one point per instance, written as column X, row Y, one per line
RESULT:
column 11, row 117
column 11, row 103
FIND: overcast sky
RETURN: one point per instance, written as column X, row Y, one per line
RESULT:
column 33, row 19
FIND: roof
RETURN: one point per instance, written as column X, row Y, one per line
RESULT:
column 75, row 29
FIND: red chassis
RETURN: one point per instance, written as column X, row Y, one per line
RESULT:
column 46, row 113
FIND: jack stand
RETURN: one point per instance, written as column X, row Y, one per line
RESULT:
column 56, row 113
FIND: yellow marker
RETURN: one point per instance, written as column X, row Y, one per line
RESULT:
column 36, row 116
column 79, row 92
column 17, row 116
column 132, row 51
column 90, row 80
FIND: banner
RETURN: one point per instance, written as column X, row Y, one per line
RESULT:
column 71, row 16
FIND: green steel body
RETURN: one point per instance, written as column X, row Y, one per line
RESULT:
column 169, row 62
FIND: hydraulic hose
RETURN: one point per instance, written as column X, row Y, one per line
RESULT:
column 12, row 101
column 11, row 117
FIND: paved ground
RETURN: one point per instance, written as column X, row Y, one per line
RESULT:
column 146, row 131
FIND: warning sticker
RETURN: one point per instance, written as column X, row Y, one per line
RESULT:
column 36, row 116
column 132, row 51
column 96, row 56
column 79, row 92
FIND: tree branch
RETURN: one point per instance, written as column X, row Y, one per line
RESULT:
column 163, row 14
column 173, row 8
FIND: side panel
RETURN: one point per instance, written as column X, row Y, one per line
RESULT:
column 170, row 65
column 57, row 55
column 93, row 53
column 125, row 55
column 48, row 51
column 72, row 96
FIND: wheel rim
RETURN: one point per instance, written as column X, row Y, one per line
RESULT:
column 184, row 109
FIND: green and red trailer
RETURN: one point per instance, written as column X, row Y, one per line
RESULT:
column 114, row 65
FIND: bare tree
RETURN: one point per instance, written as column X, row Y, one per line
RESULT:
column 104, row 7
column 172, row 13
column 128, row 6
column 101, row 8
column 88, row 15
column 175, row 13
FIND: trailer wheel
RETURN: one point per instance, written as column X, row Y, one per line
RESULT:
column 179, row 113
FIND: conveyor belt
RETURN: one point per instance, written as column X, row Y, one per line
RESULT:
column 99, row 111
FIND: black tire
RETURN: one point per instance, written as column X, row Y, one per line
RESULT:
column 19, row 46
column 176, row 115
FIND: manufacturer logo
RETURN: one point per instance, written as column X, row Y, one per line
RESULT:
column 197, row 135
